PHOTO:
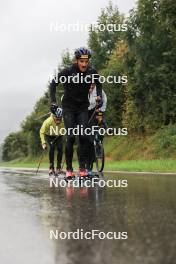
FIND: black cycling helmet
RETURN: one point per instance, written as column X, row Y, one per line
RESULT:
column 58, row 113
column 82, row 53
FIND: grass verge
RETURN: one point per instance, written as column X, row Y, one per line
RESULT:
column 163, row 165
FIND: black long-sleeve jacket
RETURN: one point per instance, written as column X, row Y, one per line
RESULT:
column 75, row 92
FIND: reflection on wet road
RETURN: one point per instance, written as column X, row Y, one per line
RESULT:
column 29, row 209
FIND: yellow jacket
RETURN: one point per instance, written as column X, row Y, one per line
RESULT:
column 50, row 128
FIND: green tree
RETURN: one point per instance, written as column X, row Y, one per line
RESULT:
column 102, row 42
column 115, row 91
column 151, row 63
column 32, row 123
column 15, row 146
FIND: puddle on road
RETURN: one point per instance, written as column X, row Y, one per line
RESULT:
column 145, row 210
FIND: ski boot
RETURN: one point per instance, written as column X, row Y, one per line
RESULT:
column 51, row 172
column 69, row 175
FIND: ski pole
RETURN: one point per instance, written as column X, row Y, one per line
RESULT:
column 92, row 116
column 40, row 161
column 96, row 107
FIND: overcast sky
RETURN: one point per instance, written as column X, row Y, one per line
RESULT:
column 30, row 51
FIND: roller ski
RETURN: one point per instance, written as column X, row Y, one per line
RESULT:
column 59, row 172
column 51, row 172
column 83, row 175
column 69, row 176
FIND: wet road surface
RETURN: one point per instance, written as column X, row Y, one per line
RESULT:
column 30, row 210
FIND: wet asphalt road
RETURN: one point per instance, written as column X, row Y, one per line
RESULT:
column 30, row 209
